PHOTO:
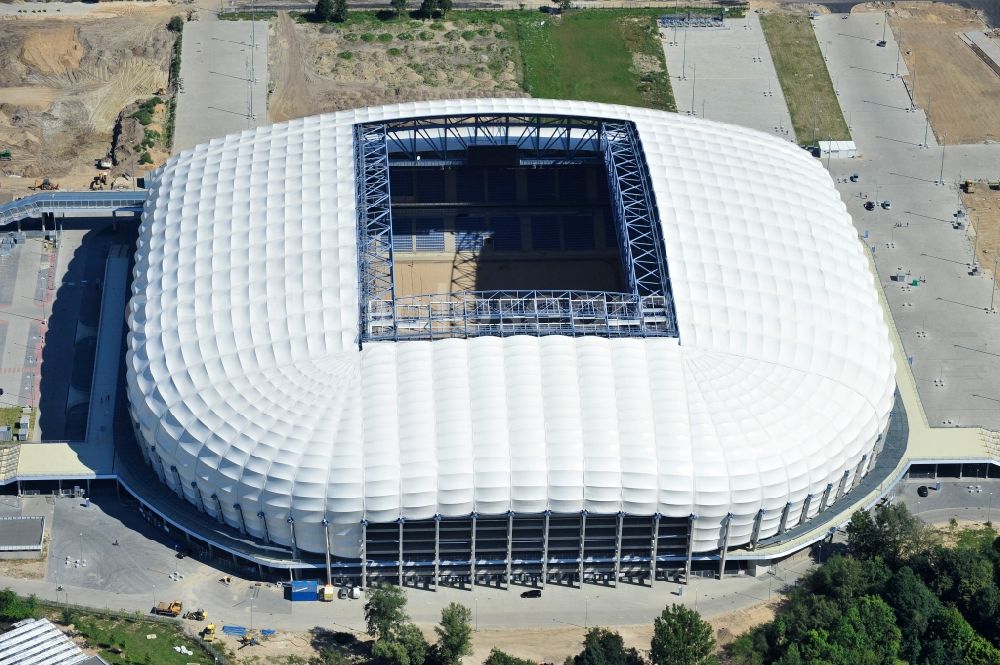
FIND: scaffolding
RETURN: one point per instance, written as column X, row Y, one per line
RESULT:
column 374, row 216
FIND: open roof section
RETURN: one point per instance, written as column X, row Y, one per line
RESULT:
column 645, row 310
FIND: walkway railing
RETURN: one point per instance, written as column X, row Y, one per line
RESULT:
column 69, row 202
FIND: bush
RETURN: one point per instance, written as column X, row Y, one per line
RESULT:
column 385, row 37
column 468, row 35
column 426, row 36
column 143, row 116
column 146, row 158
column 394, row 52
column 368, row 37
column 176, row 24
column 345, row 55
column 15, row 608
column 406, row 36
column 437, row 25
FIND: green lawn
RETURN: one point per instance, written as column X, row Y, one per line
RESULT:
column 124, row 641
column 805, row 81
column 591, row 55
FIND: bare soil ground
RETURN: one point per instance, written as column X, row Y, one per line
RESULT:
column 549, row 645
column 961, row 92
column 64, row 81
column 316, row 69
column 984, row 209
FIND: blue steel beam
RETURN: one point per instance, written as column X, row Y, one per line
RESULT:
column 375, row 272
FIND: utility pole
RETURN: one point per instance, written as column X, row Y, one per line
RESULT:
column 885, row 23
column 684, row 57
column 941, row 178
column 694, row 82
column 993, row 291
column 927, row 121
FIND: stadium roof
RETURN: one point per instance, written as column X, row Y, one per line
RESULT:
column 245, row 374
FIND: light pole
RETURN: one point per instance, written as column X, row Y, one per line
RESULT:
column 154, row 596
column 694, row 83
column 82, row 561
column 684, row 58
column 993, row 287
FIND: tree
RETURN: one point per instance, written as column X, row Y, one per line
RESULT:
column 682, row 637
column 398, row 6
column 893, row 534
column 454, row 634
column 443, row 6
column 914, row 605
column 605, row 647
column 339, row 11
column 324, row 10
column 176, row 24
column 498, row 657
column 427, row 8
column 385, row 611
column 867, row 631
column 405, row 646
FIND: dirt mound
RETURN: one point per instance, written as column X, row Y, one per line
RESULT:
column 52, row 51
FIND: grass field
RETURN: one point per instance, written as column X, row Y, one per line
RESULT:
column 601, row 56
column 124, row 641
column 11, row 415
column 612, row 56
column 804, row 79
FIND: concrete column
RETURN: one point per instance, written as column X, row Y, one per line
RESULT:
column 510, row 543
column 755, row 534
column 399, row 563
column 263, row 520
column 472, row 551
column 725, row 544
column 784, row 518
column 826, row 497
column 859, row 472
column 654, row 548
column 219, row 517
column 842, row 487
column 364, row 554
column 805, row 508
column 242, row 519
column 618, row 547
column 690, row 547
column 291, row 531
column 437, row 552
column 326, row 533
column 178, row 487
column 545, row 549
column 583, row 543
column 201, row 500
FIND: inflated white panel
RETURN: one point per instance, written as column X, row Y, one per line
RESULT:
column 245, row 375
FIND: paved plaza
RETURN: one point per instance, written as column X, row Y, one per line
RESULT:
column 948, row 332
column 223, row 82
column 727, row 75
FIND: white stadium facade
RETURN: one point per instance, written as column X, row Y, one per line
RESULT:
column 505, row 338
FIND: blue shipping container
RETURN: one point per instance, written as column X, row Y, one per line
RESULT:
column 306, row 590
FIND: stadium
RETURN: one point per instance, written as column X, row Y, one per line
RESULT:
column 505, row 339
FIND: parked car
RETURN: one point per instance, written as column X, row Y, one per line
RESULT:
column 886, row 204
column 869, row 205
column 531, row 593
column 922, row 491
column 881, row 43
column 343, row 592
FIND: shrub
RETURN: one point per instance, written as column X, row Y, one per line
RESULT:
column 426, row 36
column 395, row 52
column 176, row 24
column 437, row 25
column 368, row 37
column 345, row 55
column 143, row 116
column 468, row 35
column 406, row 36
column 146, row 158
column 385, row 37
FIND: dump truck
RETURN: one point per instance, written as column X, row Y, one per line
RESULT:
column 994, row 184
column 208, row 633
column 171, row 609
column 970, row 186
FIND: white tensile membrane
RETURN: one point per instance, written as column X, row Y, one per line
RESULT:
column 244, row 371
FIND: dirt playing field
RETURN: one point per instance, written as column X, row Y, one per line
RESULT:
column 64, row 81
column 316, row 68
column 961, row 91
column 984, row 209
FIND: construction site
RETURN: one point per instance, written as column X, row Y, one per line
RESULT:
column 69, row 87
